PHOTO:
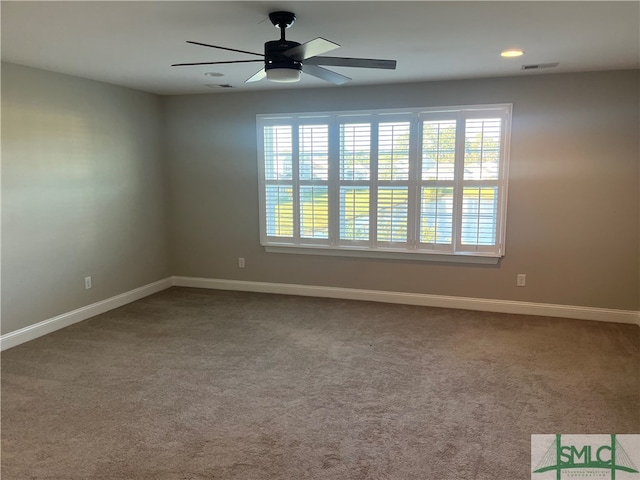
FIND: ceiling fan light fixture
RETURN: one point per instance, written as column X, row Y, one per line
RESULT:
column 283, row 60
column 283, row 75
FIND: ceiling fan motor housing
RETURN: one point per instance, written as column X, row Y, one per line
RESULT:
column 274, row 58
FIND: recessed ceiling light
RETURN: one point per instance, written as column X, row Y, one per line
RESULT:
column 214, row 74
column 512, row 52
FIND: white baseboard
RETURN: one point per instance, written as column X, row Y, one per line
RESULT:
column 466, row 303
column 39, row 329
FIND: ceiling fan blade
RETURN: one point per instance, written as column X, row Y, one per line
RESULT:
column 324, row 74
column 213, row 63
column 352, row 62
column 225, row 48
column 259, row 75
column 314, row 47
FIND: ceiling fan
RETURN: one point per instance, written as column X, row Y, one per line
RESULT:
column 284, row 60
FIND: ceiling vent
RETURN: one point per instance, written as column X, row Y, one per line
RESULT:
column 539, row 66
column 215, row 85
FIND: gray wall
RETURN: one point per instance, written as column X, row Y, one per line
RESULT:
column 130, row 188
column 573, row 215
column 83, row 193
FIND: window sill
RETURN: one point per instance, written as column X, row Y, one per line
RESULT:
column 419, row 256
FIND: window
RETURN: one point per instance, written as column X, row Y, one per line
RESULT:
column 429, row 184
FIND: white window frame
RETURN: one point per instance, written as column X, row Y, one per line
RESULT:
column 412, row 249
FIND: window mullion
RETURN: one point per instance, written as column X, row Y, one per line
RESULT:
column 458, row 184
column 413, row 207
column 334, row 181
column 295, row 160
column 373, row 189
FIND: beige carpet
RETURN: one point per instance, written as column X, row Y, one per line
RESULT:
column 197, row 384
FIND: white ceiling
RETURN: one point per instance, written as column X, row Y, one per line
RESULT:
column 133, row 44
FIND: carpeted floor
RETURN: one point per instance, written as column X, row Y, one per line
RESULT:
column 196, row 384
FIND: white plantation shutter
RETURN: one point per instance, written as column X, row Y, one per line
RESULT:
column 314, row 152
column 393, row 151
column 482, row 147
column 314, row 181
column 438, row 158
column 355, row 151
column 479, row 207
column 354, row 213
column 279, row 201
column 393, row 182
column 413, row 182
column 314, row 211
column 438, row 150
column 392, row 214
column 436, row 215
column 354, row 183
column 278, row 173
column 277, row 152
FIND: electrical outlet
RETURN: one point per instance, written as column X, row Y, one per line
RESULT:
column 521, row 280
column 240, row 262
column 87, row 283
